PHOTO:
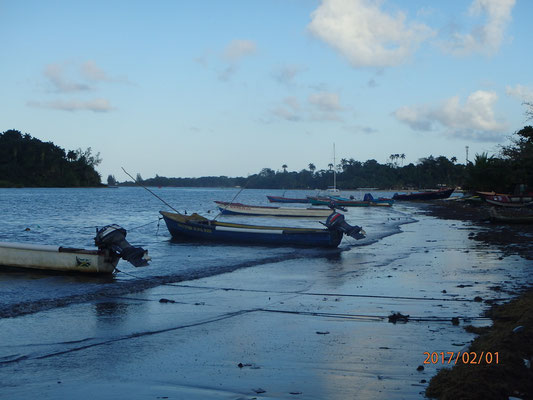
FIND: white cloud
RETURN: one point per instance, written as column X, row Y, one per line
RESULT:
column 289, row 110
column 286, row 74
column 326, row 102
column 325, row 106
column 488, row 37
column 364, row 34
column 520, row 92
column 321, row 106
column 91, row 71
column 60, row 81
column 237, row 49
column 96, row 105
column 475, row 120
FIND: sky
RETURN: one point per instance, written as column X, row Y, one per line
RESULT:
column 209, row 88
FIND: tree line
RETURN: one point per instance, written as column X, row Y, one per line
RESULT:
column 502, row 173
column 26, row 161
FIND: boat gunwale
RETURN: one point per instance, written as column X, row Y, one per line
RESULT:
column 213, row 224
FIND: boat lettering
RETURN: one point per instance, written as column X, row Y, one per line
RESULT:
column 196, row 229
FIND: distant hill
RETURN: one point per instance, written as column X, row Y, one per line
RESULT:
column 29, row 162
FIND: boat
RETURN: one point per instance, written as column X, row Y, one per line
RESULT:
column 335, row 202
column 510, row 218
column 507, row 200
column 111, row 246
column 197, row 228
column 368, row 199
column 428, row 195
column 281, row 199
column 380, row 201
column 245, row 209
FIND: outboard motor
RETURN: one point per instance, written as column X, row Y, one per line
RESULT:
column 334, row 206
column 113, row 237
column 336, row 221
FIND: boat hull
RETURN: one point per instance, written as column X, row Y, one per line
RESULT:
column 201, row 229
column 54, row 258
column 507, row 200
column 496, row 217
column 244, row 209
column 278, row 199
column 424, row 196
column 350, row 203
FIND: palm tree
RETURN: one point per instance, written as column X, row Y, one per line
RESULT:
column 402, row 156
column 330, row 165
column 312, row 167
column 284, row 166
column 453, row 159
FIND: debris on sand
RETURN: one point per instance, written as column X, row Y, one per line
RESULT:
column 398, row 317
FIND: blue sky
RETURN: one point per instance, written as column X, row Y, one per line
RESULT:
column 197, row 88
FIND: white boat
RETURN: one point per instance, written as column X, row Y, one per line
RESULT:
column 56, row 258
column 111, row 247
column 244, row 209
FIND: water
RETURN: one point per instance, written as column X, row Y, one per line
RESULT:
column 69, row 217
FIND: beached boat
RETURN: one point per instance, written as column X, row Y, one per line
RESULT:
column 335, row 201
column 510, row 218
column 196, row 227
column 380, row 201
column 429, row 195
column 369, row 199
column 111, row 244
column 507, row 200
column 281, row 199
column 245, row 209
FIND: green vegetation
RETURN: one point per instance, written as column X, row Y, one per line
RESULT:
column 502, row 173
column 27, row 161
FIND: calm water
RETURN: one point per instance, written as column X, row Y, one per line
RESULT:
column 68, row 217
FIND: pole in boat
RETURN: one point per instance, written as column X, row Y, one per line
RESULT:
column 144, row 187
column 334, row 173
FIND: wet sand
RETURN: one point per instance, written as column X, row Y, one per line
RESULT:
column 299, row 328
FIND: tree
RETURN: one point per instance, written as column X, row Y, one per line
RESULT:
column 284, row 166
column 111, row 181
column 312, row 167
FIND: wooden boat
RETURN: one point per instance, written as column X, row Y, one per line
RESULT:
column 380, row 201
column 196, row 227
column 507, row 200
column 514, row 218
column 430, row 195
column 371, row 201
column 334, row 201
column 280, row 199
column 244, row 209
column 111, row 247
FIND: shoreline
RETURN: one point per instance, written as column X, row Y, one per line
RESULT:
column 511, row 335
column 310, row 328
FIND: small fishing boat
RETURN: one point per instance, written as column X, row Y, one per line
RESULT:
column 507, row 200
column 511, row 217
column 111, row 243
column 245, row 209
column 428, row 195
column 196, row 227
column 337, row 201
column 281, row 199
column 380, row 201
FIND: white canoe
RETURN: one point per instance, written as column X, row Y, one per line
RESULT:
column 244, row 209
column 55, row 258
